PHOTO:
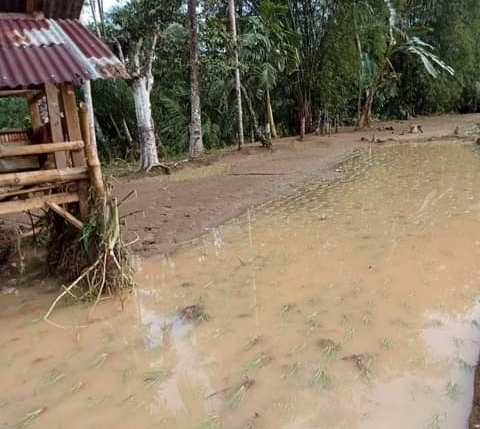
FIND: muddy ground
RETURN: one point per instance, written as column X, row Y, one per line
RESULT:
column 168, row 210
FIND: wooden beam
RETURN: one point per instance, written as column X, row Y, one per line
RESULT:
column 72, row 220
column 43, row 176
column 37, row 203
column 36, row 189
column 33, row 15
column 53, row 104
column 74, row 134
column 18, row 92
column 37, row 149
column 30, row 7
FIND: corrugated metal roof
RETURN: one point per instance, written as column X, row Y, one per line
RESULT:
column 36, row 51
column 51, row 8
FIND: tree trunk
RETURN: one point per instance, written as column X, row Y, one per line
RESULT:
column 238, row 84
column 365, row 118
column 257, row 134
column 196, row 141
column 302, row 124
column 271, row 121
column 146, row 129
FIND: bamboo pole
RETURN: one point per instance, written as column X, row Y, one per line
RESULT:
column 72, row 220
column 37, row 149
column 43, row 176
column 37, row 203
column 24, row 191
column 91, row 152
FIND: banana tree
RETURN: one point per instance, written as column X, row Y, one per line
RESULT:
column 374, row 73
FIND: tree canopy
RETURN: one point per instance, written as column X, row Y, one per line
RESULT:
column 385, row 58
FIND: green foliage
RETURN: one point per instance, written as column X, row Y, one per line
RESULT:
column 309, row 54
column 13, row 113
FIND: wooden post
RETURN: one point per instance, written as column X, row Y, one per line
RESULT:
column 91, row 152
column 87, row 95
column 34, row 115
column 337, row 123
column 75, row 134
column 55, row 122
column 30, row 8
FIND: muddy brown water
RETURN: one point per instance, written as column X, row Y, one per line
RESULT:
column 351, row 304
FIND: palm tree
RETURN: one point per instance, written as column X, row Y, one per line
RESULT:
column 270, row 48
column 196, row 142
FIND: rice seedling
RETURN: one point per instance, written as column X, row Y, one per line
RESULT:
column 453, row 390
column 459, row 342
column 126, row 376
column 294, row 370
column 464, row 365
column 349, row 334
column 212, row 422
column 420, row 361
column 321, row 378
column 237, row 397
column 476, row 324
column 257, row 363
column 28, row 418
column 437, row 323
column 345, row 319
column 97, row 402
column 75, row 388
column 356, row 290
column 437, row 420
column 286, row 309
column 152, row 378
column 311, row 330
column 311, row 319
column 252, row 342
column 367, row 318
column 4, row 404
column 53, row 377
column 99, row 361
column 330, row 351
column 387, row 343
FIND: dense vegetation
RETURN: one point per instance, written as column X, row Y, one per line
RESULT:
column 297, row 58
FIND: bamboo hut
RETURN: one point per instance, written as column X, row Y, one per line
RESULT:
column 45, row 55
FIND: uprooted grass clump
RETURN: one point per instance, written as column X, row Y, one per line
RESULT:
column 94, row 260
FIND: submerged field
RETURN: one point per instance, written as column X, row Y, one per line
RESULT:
column 348, row 304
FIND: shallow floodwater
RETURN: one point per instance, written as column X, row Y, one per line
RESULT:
column 352, row 304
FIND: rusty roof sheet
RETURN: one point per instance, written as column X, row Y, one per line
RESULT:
column 51, row 8
column 36, row 51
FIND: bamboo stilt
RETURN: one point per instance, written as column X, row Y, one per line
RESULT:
column 91, row 152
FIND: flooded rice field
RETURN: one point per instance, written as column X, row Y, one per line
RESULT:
column 351, row 304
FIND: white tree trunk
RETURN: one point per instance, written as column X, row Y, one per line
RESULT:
column 141, row 88
column 238, row 84
column 196, row 140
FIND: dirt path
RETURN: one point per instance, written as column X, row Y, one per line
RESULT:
column 172, row 209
